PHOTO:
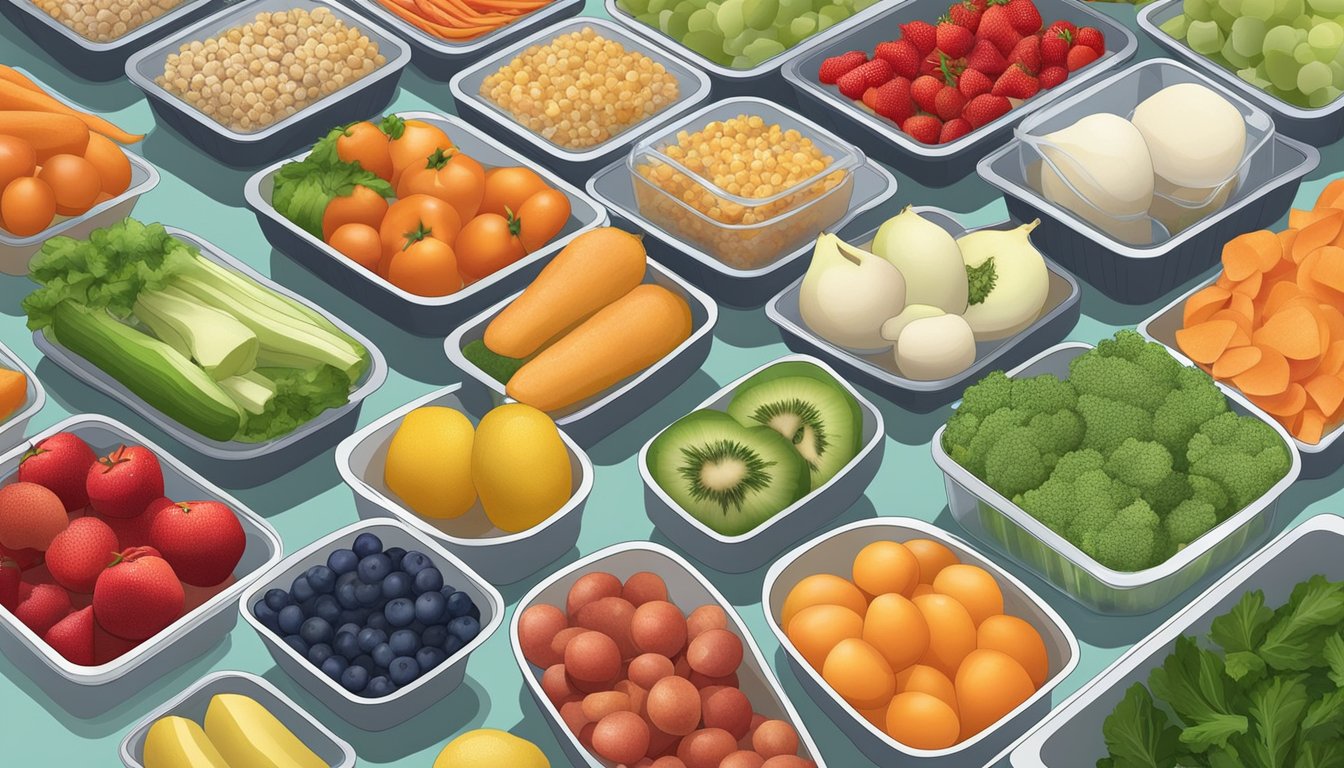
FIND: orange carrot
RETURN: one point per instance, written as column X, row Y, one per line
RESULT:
column 1236, row 361
column 1292, row 332
column 1333, row 361
column 1279, row 295
column 1206, row 342
column 16, row 97
column 1326, row 391
column 18, row 78
column 1297, row 219
column 1242, row 305
column 49, row 134
column 1252, row 252
column 1203, row 303
column 1311, row 428
column 1331, row 195
column 1291, row 400
column 1265, row 378
column 13, row 391
column 1329, row 270
column 1320, row 232
column 1251, row 286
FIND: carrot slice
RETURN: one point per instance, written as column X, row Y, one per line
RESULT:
column 1320, row 232
column 1244, row 255
column 1334, row 320
column 1333, row 359
column 1242, row 305
column 1287, row 238
column 1203, row 303
column 1250, row 286
column 1331, row 195
column 1206, row 342
column 1300, row 370
column 1243, row 322
column 1297, row 219
column 1311, row 428
column 1329, row 269
column 1278, row 295
column 1267, row 377
column 1326, row 391
column 1292, row 331
column 1235, row 362
column 1291, row 400
column 1304, row 279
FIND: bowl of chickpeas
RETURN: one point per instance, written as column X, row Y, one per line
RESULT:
column 260, row 79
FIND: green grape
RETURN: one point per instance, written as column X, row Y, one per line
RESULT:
column 760, row 14
column 1281, row 38
column 1314, row 76
column 1248, row 36
column 648, row 19
column 1328, row 7
column 709, row 44
column 798, row 30
column 1323, row 96
column 1325, row 40
column 713, row 8
column 763, row 49
column 1282, row 69
column 1289, row 9
column 1232, row 59
column 634, row 7
column 700, row 21
column 1252, row 76
column 1198, row 10
column 1222, row 18
column 830, row 15
column 741, row 62
column 1231, row 7
column 1258, row 9
column 1302, row 53
column 1205, row 37
column 730, row 19
column 737, row 45
column 1337, row 74
column 1176, row 26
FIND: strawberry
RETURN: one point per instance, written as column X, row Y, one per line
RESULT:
column 869, row 97
column 875, row 72
column 953, row 40
column 79, row 553
column 1055, row 44
column 893, row 100
column 922, row 34
column 1092, row 38
column 26, row 558
column 134, row 531
column 973, row 82
column 903, row 56
column 923, row 128
column 41, row 606
column 1080, row 56
column 948, row 103
column 1061, row 25
column 852, row 84
column 72, row 637
column 123, row 483
column 1052, row 76
column 1016, row 83
column 10, row 575
column 1027, row 53
column 833, row 68
column 954, row 129
column 924, row 90
column 138, row 595
column 997, row 28
column 201, row 540
column 966, row 14
column 61, row 463
column 1024, row 16
column 985, row 108
column 985, row 57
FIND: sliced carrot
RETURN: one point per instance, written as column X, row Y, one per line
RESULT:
column 1320, row 232
column 1311, row 428
column 1203, row 303
column 1287, row 238
column 1333, row 359
column 1267, row 377
column 1278, row 295
column 1326, row 391
column 1205, row 342
column 1331, row 195
column 1243, row 322
column 1304, row 279
column 1291, row 400
column 1329, row 269
column 1234, row 362
column 1297, row 219
column 1245, row 254
column 1244, row 306
column 1292, row 331
column 1334, row 320
column 1301, row 370
column 1250, row 286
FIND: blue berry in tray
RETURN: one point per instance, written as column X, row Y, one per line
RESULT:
column 277, row 599
column 395, row 554
column 428, row 580
column 343, row 561
column 374, row 568
column 397, row 584
column 415, row 562
column 403, row 670
column 315, row 630
column 367, row 544
column 321, row 578
column 431, row 608
column 379, row 687
column 355, row 679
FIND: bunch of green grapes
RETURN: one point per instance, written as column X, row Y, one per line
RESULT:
column 741, row 33
column 1294, row 49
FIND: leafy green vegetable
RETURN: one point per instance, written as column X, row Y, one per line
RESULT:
column 980, row 281
column 299, row 397
column 303, row 189
column 1142, row 737
column 497, row 366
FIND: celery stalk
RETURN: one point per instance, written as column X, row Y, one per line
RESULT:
column 251, row 391
column 216, row 340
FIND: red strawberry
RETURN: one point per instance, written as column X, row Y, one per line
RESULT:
column 868, row 98
column 202, row 540
column 10, row 575
column 973, row 82
column 876, row 72
column 1052, row 76
column 922, row 34
column 1080, row 56
column 997, row 28
column 1092, row 38
column 1027, row 53
column 1055, row 45
column 966, row 14
column 948, row 103
column 953, row 40
column 954, row 129
column 123, row 483
column 852, row 84
column 138, row 595
column 893, row 100
column 79, row 553
column 1062, row 25
column 923, row 128
column 832, row 68
column 61, row 463
column 72, row 637
column 41, row 606
column 107, row 646
column 985, row 108
column 134, row 531
column 1024, row 16
column 985, row 57
column 26, row 558
column 902, row 55
column 924, row 90
column 1016, row 83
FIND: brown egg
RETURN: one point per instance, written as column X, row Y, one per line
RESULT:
column 637, row 694
column 775, row 737
column 621, row 737
column 706, row 748
column 816, row 629
column 896, row 628
column 658, row 627
column 921, row 589
column 925, row 679
column 989, row 685
column 742, row 758
column 668, row 761
column 859, row 674
column 592, row 657
column 715, row 653
column 973, row 587
column 727, row 708
column 598, row 705
column 611, row 616
column 648, row 668
column 705, row 617
column 922, row 721
column 788, row 761
column 591, row 587
column 537, row 627
column 951, row 632
column 555, row 684
column 885, row 566
column 673, row 705
column 562, row 638
column 932, row 557
column 644, row 587
column 822, row 589
column 1018, row 639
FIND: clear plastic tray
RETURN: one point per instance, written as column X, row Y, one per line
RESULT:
column 834, row 553
column 501, row 558
column 988, row 516
column 35, row 396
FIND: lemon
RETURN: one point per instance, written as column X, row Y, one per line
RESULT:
column 429, row 462
column 521, row 467
column 489, row 748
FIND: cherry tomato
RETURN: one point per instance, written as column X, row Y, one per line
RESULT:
column 362, row 206
column 366, row 144
column 75, row 182
column 450, row 176
column 360, row 243
column 27, row 206
column 412, row 142
column 17, row 159
column 506, row 189
column 426, row 267
column 542, row 217
column 114, row 169
column 410, row 215
column 487, row 244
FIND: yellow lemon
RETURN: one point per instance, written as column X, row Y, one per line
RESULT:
column 429, row 462
column 489, row 748
column 521, row 467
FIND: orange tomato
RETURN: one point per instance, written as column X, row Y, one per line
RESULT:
column 361, row 206
column 411, row 215
column 17, row 159
column 542, row 217
column 114, row 169
column 411, row 142
column 487, row 244
column 75, row 182
column 366, row 144
column 27, row 206
column 426, row 267
column 359, row 243
column 922, row 721
column 450, row 176
column 506, row 189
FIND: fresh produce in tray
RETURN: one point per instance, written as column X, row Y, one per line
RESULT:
column 636, row 678
column 238, row 731
column 103, row 21
column 1272, row 324
column 917, row 642
column 452, row 222
column 13, row 392
column 489, row 748
column 939, row 80
column 1130, row 458
column 210, row 348
column 461, row 20
column 1264, row 688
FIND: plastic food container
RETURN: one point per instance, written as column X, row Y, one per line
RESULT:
column 988, row 516
column 424, row 315
column 499, row 557
column 193, row 702
column 687, row 589
column 588, row 421
column 92, row 60
column 878, row 372
column 1137, row 274
column 356, row 101
column 406, row 702
column 257, row 461
column 12, row 428
column 749, row 551
column 833, row 553
column 575, row 164
column 936, row 165
column 1072, row 735
column 440, row 58
column 1317, row 127
column 694, row 245
column 87, row 692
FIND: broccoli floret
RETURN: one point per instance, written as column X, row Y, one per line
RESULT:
column 1143, row 465
column 1129, row 541
column 1210, row 492
column 1120, row 378
column 1052, row 503
column 1097, row 497
column 1164, row 496
column 1108, row 423
column 1244, row 456
column 987, row 395
column 961, row 429
column 1043, row 394
column 1014, row 464
column 991, row 428
column 1194, row 402
column 1150, row 356
column 1188, row 521
column 1075, row 463
column 1056, row 433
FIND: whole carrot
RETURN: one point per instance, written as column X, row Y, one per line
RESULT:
column 17, row 97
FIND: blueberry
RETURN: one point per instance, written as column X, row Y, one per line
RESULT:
column 474, row 612
column 355, row 679
column 415, row 562
column 377, row 620
column 342, row 561
column 369, row 638
column 403, row 670
column 346, row 596
column 268, row 618
column 374, row 568
column 367, row 544
column 399, row 612
column 428, row 580
column 395, row 554
column 428, row 658
column 318, row 654
column 452, row 645
column 357, row 616
column 301, row 590
column 464, row 628
column 328, row 608
column 277, row 599
column 418, row 627
column 403, row 642
column 315, row 630
column 297, row 643
column 334, row 666
column 368, row 595
column 397, row 584
column 434, row 636
column 290, row 619
column 382, row 654
column 431, row 608
column 366, row 661
column 459, row 605
column 347, row 644
column 379, row 687
column 321, row 578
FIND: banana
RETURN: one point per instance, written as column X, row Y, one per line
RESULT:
column 176, row 742
column 247, row 734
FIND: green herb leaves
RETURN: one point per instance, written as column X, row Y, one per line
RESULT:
column 303, row 189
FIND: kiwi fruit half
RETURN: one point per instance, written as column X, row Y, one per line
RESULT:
column 810, row 409
column 728, row 476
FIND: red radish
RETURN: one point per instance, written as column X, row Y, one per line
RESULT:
column 30, row 516
column 138, row 595
column 72, row 637
column 80, row 553
column 61, row 463
column 202, row 540
column 41, row 606
column 10, row 575
column 125, row 481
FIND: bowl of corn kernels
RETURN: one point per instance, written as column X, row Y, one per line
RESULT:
column 103, row 21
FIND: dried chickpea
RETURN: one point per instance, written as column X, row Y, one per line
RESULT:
column 261, row 72
column 102, row 21
column 580, row 89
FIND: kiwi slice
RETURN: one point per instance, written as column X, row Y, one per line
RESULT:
column 730, row 477
column 806, row 405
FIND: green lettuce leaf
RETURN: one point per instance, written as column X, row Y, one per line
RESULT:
column 1138, row 734
column 1301, row 626
column 303, row 189
column 1192, row 681
column 300, row 395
